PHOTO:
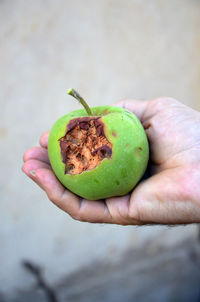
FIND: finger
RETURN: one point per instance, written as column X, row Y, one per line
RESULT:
column 118, row 208
column 37, row 153
column 31, row 166
column 77, row 208
column 94, row 211
column 44, row 139
column 57, row 193
column 138, row 107
column 83, row 210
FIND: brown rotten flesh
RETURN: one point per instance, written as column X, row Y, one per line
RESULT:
column 84, row 145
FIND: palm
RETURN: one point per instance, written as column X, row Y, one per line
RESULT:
column 165, row 197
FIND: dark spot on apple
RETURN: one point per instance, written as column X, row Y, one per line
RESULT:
column 114, row 133
column 117, row 182
column 138, row 151
column 123, row 173
column 96, row 180
column 127, row 145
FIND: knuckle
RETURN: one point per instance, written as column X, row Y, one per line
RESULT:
column 162, row 102
column 135, row 213
column 121, row 215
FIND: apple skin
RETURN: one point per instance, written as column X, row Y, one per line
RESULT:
column 112, row 177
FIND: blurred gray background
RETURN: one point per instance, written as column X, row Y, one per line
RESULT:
column 108, row 50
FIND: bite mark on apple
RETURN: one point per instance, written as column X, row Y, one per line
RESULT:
column 84, row 145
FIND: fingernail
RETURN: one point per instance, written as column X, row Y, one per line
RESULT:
column 32, row 172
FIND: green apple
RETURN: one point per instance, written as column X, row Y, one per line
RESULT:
column 98, row 152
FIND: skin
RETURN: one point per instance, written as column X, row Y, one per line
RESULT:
column 171, row 193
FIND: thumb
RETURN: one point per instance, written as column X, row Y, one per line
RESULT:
column 165, row 198
column 138, row 107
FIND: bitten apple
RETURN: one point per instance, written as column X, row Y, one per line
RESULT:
column 98, row 152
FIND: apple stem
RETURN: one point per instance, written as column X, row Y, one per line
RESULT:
column 77, row 96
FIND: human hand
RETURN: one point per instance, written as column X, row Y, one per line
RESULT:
column 171, row 194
